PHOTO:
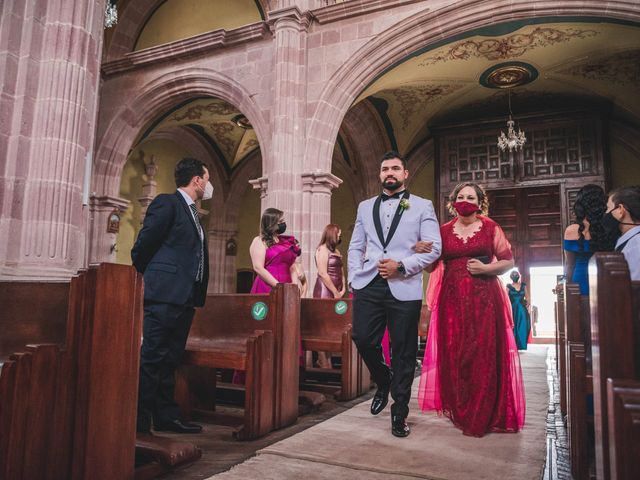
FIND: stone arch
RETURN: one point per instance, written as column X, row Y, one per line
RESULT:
column 419, row 31
column 155, row 98
column 133, row 19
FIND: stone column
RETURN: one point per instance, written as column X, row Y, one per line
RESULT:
column 50, row 54
column 316, row 214
column 261, row 184
column 104, row 243
column 149, row 188
column 222, row 272
column 284, row 161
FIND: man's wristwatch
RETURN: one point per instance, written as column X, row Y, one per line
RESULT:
column 401, row 268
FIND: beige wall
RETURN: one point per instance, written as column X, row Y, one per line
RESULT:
column 248, row 226
column 625, row 166
column 166, row 154
column 178, row 19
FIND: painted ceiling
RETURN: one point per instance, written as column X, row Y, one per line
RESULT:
column 576, row 62
column 179, row 19
column 214, row 120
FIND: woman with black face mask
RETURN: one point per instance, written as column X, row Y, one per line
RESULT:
column 273, row 254
column 587, row 235
column 521, row 318
column 623, row 216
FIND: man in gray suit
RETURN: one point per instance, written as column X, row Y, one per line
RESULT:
column 385, row 274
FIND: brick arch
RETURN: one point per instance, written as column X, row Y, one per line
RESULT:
column 154, row 99
column 133, row 19
column 419, row 31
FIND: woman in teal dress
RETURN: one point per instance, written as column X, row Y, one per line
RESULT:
column 521, row 318
column 587, row 235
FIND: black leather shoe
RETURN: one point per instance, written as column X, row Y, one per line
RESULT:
column 178, row 426
column 399, row 427
column 380, row 400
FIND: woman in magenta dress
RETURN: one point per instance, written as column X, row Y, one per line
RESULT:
column 330, row 282
column 273, row 254
column 471, row 370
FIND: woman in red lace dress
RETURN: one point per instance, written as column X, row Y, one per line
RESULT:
column 471, row 370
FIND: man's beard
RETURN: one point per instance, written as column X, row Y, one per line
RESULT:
column 392, row 184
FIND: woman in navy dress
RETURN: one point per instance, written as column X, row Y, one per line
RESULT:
column 587, row 235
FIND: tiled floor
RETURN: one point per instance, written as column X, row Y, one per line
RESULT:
column 558, row 465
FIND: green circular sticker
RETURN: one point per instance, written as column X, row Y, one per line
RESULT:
column 341, row 307
column 259, row 311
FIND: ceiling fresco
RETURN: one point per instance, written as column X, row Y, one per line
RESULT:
column 577, row 63
column 220, row 123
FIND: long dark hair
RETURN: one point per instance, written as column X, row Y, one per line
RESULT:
column 269, row 225
column 591, row 203
column 330, row 237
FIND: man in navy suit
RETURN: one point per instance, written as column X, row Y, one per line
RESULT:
column 385, row 273
column 171, row 251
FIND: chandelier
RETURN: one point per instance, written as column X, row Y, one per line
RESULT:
column 512, row 140
column 110, row 14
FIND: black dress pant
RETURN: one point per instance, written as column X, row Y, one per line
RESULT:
column 374, row 308
column 165, row 331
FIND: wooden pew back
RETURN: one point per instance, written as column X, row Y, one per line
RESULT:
column 70, row 412
column 612, row 337
column 319, row 317
column 32, row 312
column 231, row 314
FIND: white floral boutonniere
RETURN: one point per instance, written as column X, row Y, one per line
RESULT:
column 404, row 204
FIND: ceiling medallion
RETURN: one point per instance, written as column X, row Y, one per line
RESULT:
column 242, row 121
column 508, row 75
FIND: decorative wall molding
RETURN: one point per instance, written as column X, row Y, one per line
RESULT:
column 355, row 8
column 188, row 47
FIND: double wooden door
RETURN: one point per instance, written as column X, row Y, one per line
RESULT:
column 532, row 221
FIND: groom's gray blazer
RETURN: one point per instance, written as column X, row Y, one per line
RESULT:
column 367, row 247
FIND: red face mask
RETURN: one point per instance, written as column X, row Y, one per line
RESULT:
column 465, row 208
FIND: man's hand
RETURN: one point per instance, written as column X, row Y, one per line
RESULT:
column 476, row 267
column 424, row 247
column 388, row 268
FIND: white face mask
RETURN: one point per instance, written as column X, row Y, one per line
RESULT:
column 208, row 191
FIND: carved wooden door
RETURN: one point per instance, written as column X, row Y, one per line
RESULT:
column 531, row 219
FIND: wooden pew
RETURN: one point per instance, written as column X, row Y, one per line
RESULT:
column 225, row 334
column 579, row 382
column 616, row 387
column 32, row 312
column 68, row 409
column 561, row 350
column 325, row 326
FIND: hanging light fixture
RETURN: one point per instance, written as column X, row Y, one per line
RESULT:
column 110, row 14
column 512, row 140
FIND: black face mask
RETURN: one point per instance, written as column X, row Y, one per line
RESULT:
column 282, row 227
column 610, row 223
column 515, row 278
column 339, row 241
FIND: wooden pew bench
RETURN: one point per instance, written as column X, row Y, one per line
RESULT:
column 255, row 333
column 325, row 326
column 68, row 407
column 615, row 336
column 579, row 379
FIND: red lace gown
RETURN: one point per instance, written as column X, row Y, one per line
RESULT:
column 471, row 371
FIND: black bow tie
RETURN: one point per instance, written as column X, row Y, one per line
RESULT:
column 386, row 197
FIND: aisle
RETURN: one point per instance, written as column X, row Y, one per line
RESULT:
column 355, row 444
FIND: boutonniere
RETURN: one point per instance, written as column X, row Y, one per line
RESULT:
column 404, row 204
